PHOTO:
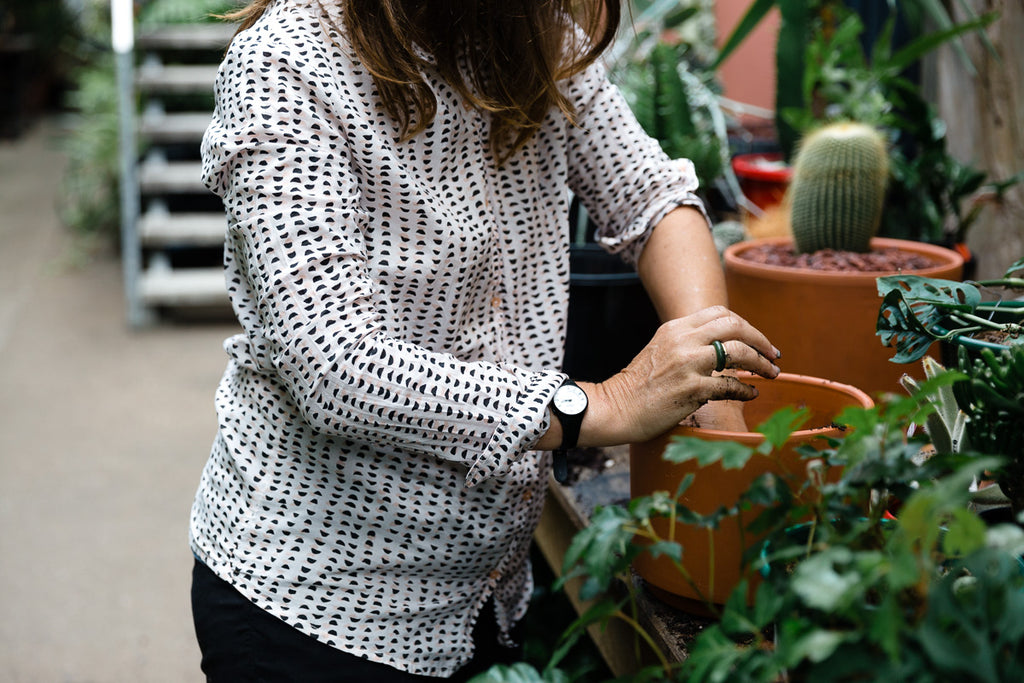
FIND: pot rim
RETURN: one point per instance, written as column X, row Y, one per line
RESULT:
column 725, row 434
column 746, row 166
column 947, row 259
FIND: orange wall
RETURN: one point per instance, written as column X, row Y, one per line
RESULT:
column 748, row 75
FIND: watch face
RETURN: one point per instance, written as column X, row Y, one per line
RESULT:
column 570, row 399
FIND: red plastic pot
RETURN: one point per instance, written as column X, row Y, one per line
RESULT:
column 763, row 178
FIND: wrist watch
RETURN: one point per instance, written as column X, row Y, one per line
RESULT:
column 569, row 405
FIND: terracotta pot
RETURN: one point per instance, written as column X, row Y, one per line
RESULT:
column 717, row 572
column 824, row 322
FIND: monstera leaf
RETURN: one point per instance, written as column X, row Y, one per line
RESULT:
column 914, row 309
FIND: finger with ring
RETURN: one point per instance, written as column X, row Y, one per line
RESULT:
column 721, row 357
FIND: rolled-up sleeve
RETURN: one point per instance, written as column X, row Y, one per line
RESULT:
column 622, row 176
column 278, row 154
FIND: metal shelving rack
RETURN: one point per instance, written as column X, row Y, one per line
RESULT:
column 172, row 230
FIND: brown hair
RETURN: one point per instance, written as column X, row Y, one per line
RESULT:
column 512, row 54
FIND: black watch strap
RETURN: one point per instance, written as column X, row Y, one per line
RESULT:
column 560, row 466
column 569, row 406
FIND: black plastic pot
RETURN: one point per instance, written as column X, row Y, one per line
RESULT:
column 611, row 317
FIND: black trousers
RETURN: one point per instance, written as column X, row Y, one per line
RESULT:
column 240, row 643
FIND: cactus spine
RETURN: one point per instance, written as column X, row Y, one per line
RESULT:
column 838, row 188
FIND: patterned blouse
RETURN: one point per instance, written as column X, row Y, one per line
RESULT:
column 403, row 305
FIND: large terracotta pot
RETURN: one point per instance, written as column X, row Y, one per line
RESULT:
column 713, row 558
column 824, row 322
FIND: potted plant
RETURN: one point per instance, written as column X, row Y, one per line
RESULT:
column 712, row 564
column 660, row 66
column 848, row 590
column 984, row 340
column 824, row 321
column 854, row 594
column 820, row 46
column 933, row 196
column 814, row 293
column 916, row 310
column 983, row 412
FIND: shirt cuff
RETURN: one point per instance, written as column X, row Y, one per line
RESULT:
column 526, row 420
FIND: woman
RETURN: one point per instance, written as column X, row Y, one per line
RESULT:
column 396, row 175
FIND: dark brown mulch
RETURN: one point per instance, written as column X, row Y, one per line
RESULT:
column 889, row 260
column 995, row 336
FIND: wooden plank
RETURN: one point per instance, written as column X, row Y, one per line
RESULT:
column 984, row 115
column 176, row 78
column 160, row 228
column 183, row 287
column 206, row 36
column 171, row 177
column 174, row 127
column 566, row 511
column 553, row 535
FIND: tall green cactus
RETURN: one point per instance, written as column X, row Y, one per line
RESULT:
column 838, row 188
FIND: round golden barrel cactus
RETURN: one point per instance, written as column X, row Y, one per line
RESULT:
column 838, row 188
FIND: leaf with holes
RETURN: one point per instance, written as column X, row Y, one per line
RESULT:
column 913, row 307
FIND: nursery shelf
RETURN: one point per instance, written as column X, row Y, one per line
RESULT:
column 183, row 287
column 213, row 36
column 174, row 226
column 567, row 510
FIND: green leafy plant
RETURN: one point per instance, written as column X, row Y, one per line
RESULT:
column 989, row 402
column 184, row 11
column 851, row 593
column 917, row 311
column 933, row 196
column 992, row 398
column 872, row 568
column 838, row 188
column 947, row 425
column 89, row 186
column 819, row 40
column 673, row 97
column 986, row 407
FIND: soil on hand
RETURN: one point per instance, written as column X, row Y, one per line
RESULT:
column 888, row 260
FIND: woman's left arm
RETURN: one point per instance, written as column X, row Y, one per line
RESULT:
column 647, row 209
column 682, row 274
column 680, row 267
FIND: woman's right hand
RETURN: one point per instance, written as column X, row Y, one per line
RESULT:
column 674, row 375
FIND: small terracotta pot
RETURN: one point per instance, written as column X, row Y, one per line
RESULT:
column 714, row 558
column 824, row 322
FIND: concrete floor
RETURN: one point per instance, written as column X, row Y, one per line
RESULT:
column 103, row 433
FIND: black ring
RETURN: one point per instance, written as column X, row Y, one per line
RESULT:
column 721, row 357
